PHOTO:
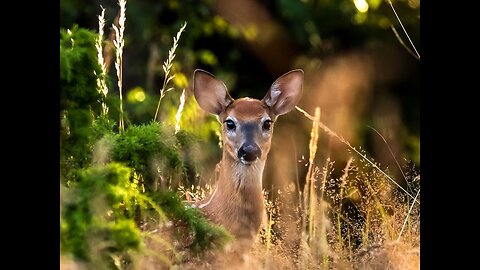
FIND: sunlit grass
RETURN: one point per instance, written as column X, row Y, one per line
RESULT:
column 167, row 66
column 363, row 156
column 370, row 241
column 119, row 43
column 179, row 112
column 384, row 234
column 101, row 78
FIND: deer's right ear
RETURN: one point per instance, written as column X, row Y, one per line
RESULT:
column 210, row 93
column 285, row 92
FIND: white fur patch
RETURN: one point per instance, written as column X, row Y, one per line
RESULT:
column 274, row 94
column 244, row 175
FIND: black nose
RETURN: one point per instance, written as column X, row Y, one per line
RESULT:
column 249, row 152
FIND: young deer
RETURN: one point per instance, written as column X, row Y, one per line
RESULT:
column 247, row 126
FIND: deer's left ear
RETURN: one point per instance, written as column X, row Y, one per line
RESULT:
column 210, row 93
column 285, row 92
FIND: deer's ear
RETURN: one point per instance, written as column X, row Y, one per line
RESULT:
column 285, row 92
column 210, row 93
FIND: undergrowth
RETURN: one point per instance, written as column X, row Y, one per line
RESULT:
column 357, row 219
column 117, row 178
column 123, row 187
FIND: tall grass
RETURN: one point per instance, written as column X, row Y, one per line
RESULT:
column 178, row 115
column 373, row 238
column 314, row 238
column 361, row 220
column 167, row 66
column 119, row 43
column 101, row 79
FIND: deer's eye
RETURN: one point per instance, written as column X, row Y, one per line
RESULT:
column 230, row 124
column 267, row 125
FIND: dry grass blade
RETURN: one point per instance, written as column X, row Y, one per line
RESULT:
column 408, row 214
column 309, row 192
column 179, row 112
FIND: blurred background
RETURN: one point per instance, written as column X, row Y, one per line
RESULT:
column 356, row 70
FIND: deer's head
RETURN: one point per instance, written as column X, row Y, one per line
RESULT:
column 247, row 123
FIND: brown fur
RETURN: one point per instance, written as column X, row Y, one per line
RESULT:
column 237, row 202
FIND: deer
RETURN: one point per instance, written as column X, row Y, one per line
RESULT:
column 237, row 202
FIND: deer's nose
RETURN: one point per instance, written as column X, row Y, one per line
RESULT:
column 249, row 152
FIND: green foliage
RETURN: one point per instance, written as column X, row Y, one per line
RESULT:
column 98, row 209
column 140, row 105
column 316, row 25
column 194, row 121
column 139, row 146
column 78, row 95
column 75, row 144
column 205, row 234
column 101, row 127
column 108, row 179
column 78, row 66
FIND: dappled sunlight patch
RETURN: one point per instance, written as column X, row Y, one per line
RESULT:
column 361, row 5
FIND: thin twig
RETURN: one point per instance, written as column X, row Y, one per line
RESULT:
column 401, row 24
column 403, row 43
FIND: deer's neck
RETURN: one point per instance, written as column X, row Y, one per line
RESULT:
column 237, row 202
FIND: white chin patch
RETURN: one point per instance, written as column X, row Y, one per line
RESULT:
column 247, row 162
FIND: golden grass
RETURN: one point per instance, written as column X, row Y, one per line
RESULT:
column 119, row 43
column 178, row 115
column 379, row 225
column 384, row 235
column 101, row 78
column 167, row 66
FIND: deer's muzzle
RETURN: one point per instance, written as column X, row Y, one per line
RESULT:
column 249, row 153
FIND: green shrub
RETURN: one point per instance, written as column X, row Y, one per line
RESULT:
column 205, row 234
column 109, row 179
column 99, row 209
column 78, row 96
column 151, row 149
